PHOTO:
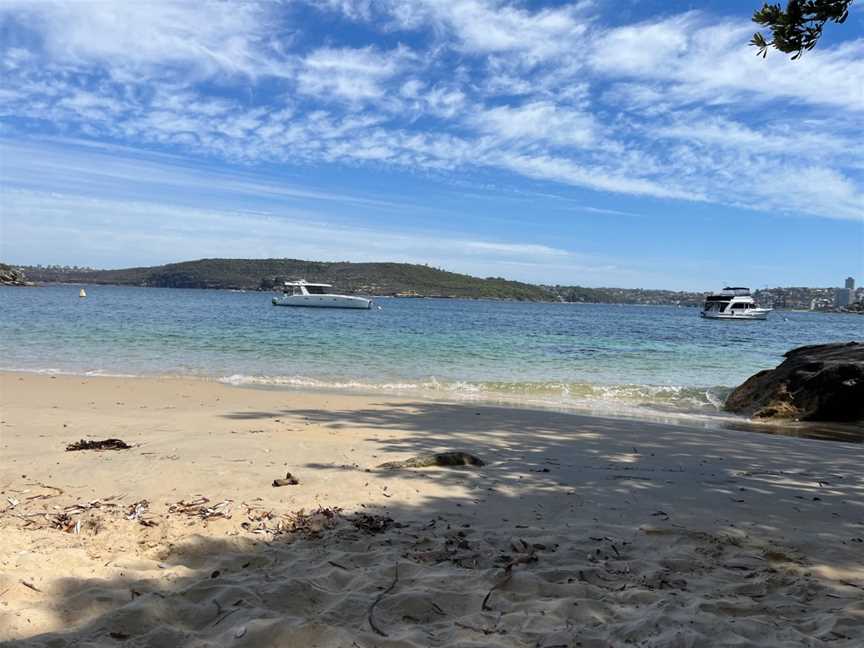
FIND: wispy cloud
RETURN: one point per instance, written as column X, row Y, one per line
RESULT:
column 674, row 109
column 350, row 74
column 133, row 38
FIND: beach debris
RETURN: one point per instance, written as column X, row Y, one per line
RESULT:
column 378, row 600
column 313, row 523
column 309, row 524
column 30, row 586
column 104, row 444
column 528, row 557
column 137, row 511
column 199, row 508
column 258, row 519
column 444, row 459
column 290, row 480
column 371, row 524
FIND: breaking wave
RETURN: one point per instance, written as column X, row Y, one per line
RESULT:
column 624, row 399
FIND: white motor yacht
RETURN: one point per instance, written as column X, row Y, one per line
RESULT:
column 733, row 303
column 317, row 295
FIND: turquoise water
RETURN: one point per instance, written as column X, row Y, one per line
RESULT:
column 568, row 355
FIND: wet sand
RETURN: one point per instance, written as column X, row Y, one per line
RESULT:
column 579, row 531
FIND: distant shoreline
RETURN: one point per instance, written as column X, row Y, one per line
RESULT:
column 447, row 297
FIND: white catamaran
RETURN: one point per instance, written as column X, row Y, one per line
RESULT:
column 316, row 295
column 733, row 303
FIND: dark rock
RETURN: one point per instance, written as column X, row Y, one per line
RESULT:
column 290, row 480
column 436, row 459
column 823, row 382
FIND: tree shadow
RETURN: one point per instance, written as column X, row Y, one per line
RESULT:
column 616, row 532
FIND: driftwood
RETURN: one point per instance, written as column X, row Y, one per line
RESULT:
column 443, row 459
column 105, row 444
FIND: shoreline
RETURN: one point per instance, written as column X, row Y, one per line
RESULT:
column 718, row 421
column 609, row 531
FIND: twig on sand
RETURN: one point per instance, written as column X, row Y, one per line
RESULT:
column 508, row 574
column 30, row 586
column 378, row 600
column 60, row 491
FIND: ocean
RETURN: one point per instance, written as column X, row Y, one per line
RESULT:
column 607, row 359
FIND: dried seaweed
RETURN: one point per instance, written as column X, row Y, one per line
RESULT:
column 104, row 444
column 371, row 524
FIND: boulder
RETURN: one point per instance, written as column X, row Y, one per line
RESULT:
column 10, row 276
column 822, row 382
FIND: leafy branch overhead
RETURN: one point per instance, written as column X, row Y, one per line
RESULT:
column 799, row 27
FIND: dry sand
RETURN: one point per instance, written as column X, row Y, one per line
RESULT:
column 580, row 531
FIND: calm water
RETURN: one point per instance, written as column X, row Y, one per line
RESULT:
column 568, row 355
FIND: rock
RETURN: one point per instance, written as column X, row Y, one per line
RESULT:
column 10, row 276
column 823, row 382
column 436, row 459
column 290, row 480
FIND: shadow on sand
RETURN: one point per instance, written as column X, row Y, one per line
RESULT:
column 617, row 533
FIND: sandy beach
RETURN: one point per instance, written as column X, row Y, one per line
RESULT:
column 578, row 531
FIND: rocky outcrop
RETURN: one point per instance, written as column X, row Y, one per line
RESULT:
column 10, row 276
column 823, row 382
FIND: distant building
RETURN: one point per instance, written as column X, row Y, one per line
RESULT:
column 842, row 297
column 820, row 303
column 850, row 283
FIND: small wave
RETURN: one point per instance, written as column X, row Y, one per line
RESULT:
column 627, row 399
column 51, row 371
column 313, row 383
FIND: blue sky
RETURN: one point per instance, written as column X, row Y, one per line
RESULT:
column 601, row 143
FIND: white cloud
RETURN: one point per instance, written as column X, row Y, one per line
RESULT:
column 537, row 121
column 134, row 38
column 481, row 26
column 349, row 73
column 545, row 167
column 676, row 108
column 698, row 59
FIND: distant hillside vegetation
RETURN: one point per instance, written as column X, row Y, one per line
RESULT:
column 265, row 274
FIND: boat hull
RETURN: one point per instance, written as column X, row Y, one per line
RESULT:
column 759, row 315
column 323, row 301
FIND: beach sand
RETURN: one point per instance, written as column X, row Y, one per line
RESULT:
column 579, row 531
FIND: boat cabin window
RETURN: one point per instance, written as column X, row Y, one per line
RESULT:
column 316, row 290
column 740, row 306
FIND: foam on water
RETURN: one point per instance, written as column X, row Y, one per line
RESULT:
column 634, row 400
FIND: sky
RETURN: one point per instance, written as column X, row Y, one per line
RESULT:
column 632, row 143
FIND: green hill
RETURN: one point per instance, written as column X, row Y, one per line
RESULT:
column 265, row 274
